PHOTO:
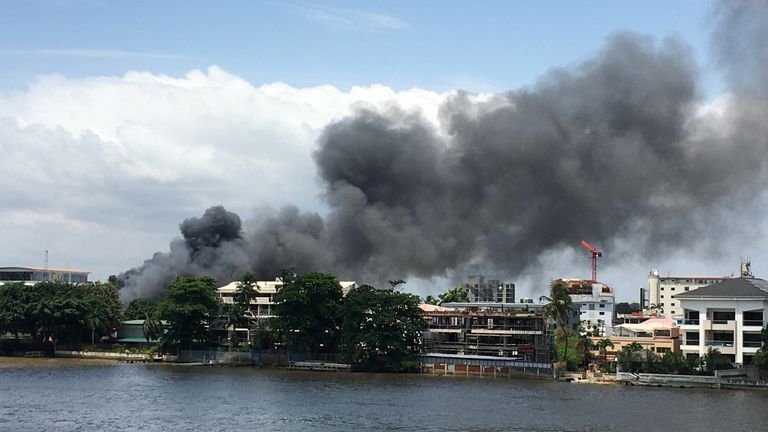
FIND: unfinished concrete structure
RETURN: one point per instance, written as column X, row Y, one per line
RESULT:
column 594, row 302
column 493, row 333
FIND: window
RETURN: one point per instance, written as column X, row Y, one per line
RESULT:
column 591, row 307
column 602, row 313
column 662, row 288
column 673, row 288
column 686, row 288
column 662, row 296
column 672, row 304
column 602, row 305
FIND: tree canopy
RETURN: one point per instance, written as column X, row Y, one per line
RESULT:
column 308, row 312
column 457, row 294
column 381, row 329
column 188, row 308
column 140, row 308
column 70, row 313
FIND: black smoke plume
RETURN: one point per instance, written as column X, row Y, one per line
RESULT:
column 617, row 147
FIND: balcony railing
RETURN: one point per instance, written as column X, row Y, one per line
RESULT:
column 720, row 321
column 691, row 321
column 691, row 342
column 758, row 323
column 752, row 344
column 722, row 343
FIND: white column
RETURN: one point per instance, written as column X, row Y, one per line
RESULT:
column 738, row 339
column 702, row 331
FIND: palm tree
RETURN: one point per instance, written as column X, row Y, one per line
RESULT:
column 394, row 283
column 558, row 308
column 457, row 294
column 585, row 346
column 152, row 328
column 602, row 346
column 658, row 307
column 245, row 292
column 626, row 358
column 713, row 360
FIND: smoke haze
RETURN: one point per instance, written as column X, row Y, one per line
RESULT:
column 615, row 148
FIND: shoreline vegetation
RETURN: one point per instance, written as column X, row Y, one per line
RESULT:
column 370, row 329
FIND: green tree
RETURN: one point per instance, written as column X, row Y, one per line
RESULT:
column 139, row 308
column 625, row 308
column 13, row 308
column 103, row 308
column 152, row 327
column 558, row 308
column 714, row 360
column 454, row 295
column 308, row 312
column 430, row 300
column 188, row 308
column 658, row 307
column 672, row 362
column 245, row 292
column 602, row 346
column 761, row 358
column 396, row 282
column 584, row 346
column 629, row 356
column 381, row 329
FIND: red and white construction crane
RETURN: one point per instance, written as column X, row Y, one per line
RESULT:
column 595, row 254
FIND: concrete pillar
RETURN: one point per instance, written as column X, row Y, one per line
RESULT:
column 702, row 331
column 738, row 342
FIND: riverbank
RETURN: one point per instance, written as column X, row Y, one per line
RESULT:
column 21, row 362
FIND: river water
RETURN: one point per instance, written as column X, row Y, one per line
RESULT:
column 55, row 395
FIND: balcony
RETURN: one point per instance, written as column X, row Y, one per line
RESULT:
column 713, row 324
column 691, row 342
column 753, row 323
column 752, row 344
column 720, row 343
column 691, row 322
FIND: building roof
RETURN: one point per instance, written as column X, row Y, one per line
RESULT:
column 649, row 325
column 17, row 269
column 433, row 308
column 740, row 287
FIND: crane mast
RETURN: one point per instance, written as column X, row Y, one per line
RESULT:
column 595, row 254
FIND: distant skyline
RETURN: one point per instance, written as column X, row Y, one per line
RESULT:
column 120, row 119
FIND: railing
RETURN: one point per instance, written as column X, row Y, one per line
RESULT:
column 721, row 321
column 752, row 344
column 691, row 322
column 695, row 342
column 722, row 343
column 758, row 323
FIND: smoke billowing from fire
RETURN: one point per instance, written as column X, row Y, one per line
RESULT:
column 616, row 147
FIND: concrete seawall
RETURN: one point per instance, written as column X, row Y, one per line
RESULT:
column 104, row 355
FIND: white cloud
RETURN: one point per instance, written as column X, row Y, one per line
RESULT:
column 106, row 167
column 354, row 20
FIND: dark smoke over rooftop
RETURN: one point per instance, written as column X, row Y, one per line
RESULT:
column 616, row 147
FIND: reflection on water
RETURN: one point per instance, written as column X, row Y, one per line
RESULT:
column 112, row 397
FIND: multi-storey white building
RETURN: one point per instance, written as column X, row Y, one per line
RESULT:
column 662, row 288
column 262, row 305
column 728, row 315
column 594, row 302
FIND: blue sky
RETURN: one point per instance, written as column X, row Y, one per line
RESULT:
column 478, row 46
